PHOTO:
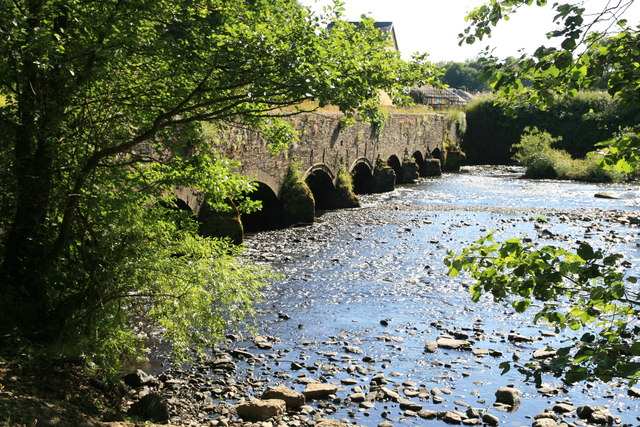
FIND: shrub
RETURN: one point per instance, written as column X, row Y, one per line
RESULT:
column 542, row 161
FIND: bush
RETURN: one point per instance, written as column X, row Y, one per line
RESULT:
column 535, row 152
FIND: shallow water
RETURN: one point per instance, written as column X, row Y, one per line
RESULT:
column 383, row 262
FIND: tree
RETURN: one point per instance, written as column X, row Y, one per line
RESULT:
column 103, row 103
column 465, row 75
column 590, row 281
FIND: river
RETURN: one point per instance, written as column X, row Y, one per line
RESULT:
column 370, row 283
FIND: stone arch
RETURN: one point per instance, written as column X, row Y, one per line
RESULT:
column 418, row 157
column 437, row 154
column 320, row 180
column 267, row 218
column 394, row 163
column 362, row 173
column 264, row 178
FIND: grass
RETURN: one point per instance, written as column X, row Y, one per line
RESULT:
column 310, row 105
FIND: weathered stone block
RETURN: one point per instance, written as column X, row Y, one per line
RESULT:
column 292, row 398
column 452, row 160
column 384, row 179
column 409, row 172
column 261, row 410
column 213, row 223
column 430, row 167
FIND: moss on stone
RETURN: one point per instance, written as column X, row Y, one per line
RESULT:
column 409, row 172
column 430, row 167
column 298, row 204
column 452, row 160
column 384, row 177
column 344, row 195
column 215, row 223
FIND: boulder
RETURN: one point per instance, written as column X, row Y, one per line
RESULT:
column 152, row 407
column 261, row 410
column 319, row 391
column 139, row 378
column 508, row 396
column 292, row 398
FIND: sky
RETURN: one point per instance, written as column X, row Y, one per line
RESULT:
column 432, row 26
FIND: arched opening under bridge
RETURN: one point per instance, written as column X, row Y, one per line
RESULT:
column 321, row 185
column 267, row 218
column 362, row 178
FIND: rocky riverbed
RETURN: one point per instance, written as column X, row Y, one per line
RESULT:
column 367, row 329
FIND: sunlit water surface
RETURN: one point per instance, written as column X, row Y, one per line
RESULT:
column 383, row 262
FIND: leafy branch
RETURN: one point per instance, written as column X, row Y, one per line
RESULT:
column 585, row 289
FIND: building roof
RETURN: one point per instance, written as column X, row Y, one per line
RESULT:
column 384, row 26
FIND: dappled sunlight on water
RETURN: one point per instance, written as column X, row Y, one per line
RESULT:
column 374, row 278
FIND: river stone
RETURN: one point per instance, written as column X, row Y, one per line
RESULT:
column 430, row 346
column 634, row 392
column 427, row 414
column 319, row 391
column 388, row 394
column 600, row 418
column 543, row 353
column 517, row 338
column 261, row 410
column 139, row 378
column 453, row 344
column 151, row 407
column 490, row 419
column 508, row 396
column 473, row 412
column 453, row 417
column 563, row 408
column 544, row 422
column 547, row 415
column 406, row 404
column 584, row 411
column 357, row 397
column 292, row 398
column 352, row 349
column 328, row 422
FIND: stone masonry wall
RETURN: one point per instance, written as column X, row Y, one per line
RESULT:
column 326, row 144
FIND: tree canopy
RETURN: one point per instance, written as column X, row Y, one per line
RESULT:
column 101, row 112
column 465, row 75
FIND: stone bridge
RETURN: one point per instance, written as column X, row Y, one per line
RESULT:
column 406, row 144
